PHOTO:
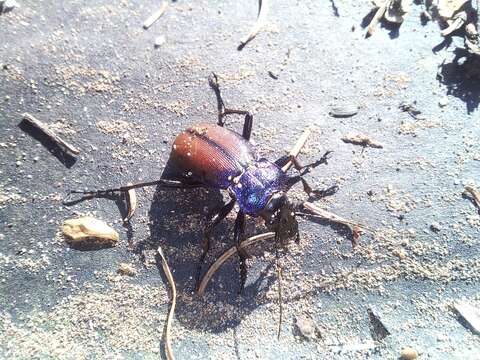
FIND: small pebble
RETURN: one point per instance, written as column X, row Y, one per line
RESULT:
column 435, row 227
column 408, row 353
column 443, row 102
column 159, row 41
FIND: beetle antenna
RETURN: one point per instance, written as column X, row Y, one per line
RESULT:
column 88, row 194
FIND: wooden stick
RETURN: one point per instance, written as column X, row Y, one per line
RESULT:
column 327, row 215
column 475, row 194
column 378, row 15
column 54, row 137
column 262, row 15
column 227, row 254
column 296, row 149
column 168, row 325
column 155, row 16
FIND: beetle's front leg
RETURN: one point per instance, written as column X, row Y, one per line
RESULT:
column 239, row 236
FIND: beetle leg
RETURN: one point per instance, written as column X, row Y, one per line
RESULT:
column 238, row 236
column 213, row 220
column 223, row 111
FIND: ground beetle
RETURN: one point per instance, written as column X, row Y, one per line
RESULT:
column 212, row 156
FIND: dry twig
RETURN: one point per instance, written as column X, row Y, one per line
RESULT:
column 378, row 15
column 155, row 16
column 296, row 149
column 227, row 254
column 168, row 325
column 362, row 140
column 262, row 15
column 356, row 228
column 474, row 193
column 51, row 135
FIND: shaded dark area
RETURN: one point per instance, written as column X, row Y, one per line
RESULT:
column 461, row 76
column 65, row 158
column 169, row 211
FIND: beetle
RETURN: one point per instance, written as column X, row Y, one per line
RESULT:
column 210, row 155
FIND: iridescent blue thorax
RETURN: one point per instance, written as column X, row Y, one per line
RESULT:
column 256, row 185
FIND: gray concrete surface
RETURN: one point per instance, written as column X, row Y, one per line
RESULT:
column 90, row 70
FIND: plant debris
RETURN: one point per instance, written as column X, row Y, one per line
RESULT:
column 126, row 269
column 393, row 11
column 470, row 314
column 51, row 135
column 131, row 199
column 262, row 15
column 226, row 255
column 296, row 149
column 470, row 191
column 362, row 140
column 84, row 230
column 171, row 312
column 155, row 16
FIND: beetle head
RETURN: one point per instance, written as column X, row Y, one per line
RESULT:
column 279, row 215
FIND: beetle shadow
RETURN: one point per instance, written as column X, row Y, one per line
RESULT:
column 176, row 222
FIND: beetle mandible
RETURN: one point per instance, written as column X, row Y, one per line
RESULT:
column 212, row 156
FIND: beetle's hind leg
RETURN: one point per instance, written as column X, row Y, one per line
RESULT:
column 223, row 111
column 213, row 220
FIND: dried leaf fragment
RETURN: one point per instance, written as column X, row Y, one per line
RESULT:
column 131, row 198
column 87, row 231
column 362, row 140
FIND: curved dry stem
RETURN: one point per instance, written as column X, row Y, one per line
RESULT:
column 168, row 325
column 262, row 15
column 226, row 255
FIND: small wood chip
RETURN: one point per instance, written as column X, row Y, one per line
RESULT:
column 87, row 229
column 362, row 140
column 155, row 16
column 131, row 198
column 54, row 137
